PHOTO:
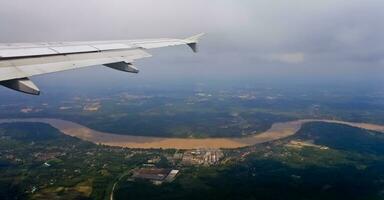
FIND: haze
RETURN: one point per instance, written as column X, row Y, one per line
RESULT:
column 279, row 41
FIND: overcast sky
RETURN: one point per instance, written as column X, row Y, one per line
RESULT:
column 319, row 39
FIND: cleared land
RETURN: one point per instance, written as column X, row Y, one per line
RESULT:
column 277, row 131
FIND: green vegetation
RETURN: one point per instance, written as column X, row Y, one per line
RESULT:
column 81, row 170
column 264, row 179
column 39, row 162
column 344, row 138
column 202, row 113
column 279, row 170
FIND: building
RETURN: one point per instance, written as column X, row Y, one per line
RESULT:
column 155, row 175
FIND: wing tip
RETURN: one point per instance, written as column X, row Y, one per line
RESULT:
column 195, row 38
column 193, row 41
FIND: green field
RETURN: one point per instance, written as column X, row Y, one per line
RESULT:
column 347, row 170
column 213, row 113
column 349, row 167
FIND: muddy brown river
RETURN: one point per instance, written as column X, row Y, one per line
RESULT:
column 277, row 131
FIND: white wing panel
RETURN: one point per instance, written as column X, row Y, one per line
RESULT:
column 73, row 49
column 7, row 73
column 22, row 52
column 20, row 68
column 152, row 45
column 104, row 47
column 32, row 70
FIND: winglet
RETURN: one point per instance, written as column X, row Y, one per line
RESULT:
column 192, row 41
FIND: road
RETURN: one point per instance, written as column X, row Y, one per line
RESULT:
column 111, row 196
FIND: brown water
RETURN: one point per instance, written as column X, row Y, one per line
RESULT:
column 277, row 131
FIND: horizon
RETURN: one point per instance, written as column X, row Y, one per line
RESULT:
column 244, row 41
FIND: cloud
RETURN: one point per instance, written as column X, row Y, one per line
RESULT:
column 289, row 58
column 256, row 36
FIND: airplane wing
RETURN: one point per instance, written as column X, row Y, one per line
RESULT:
column 19, row 61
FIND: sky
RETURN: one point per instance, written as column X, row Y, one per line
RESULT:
column 280, row 40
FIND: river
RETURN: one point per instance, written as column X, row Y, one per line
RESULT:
column 277, row 131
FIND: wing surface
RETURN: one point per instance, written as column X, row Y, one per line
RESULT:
column 19, row 61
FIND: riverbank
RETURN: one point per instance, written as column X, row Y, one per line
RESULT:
column 277, row 131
